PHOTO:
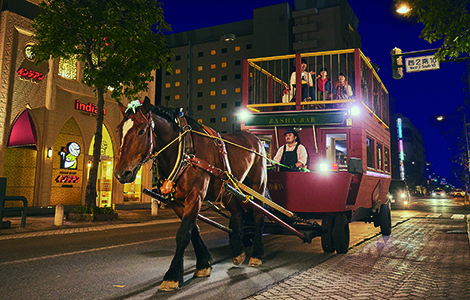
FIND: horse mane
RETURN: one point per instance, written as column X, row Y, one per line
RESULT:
column 171, row 115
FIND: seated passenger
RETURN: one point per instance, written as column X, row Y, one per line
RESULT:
column 292, row 154
column 343, row 90
column 308, row 92
column 324, row 87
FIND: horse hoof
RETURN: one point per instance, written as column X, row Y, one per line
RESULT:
column 255, row 262
column 239, row 259
column 169, row 286
column 203, row 272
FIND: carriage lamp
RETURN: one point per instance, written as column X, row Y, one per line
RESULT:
column 49, row 153
column 355, row 111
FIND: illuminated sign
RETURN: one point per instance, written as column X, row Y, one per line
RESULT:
column 296, row 119
column 30, row 74
column 90, row 107
column 67, row 179
column 69, row 156
column 401, row 149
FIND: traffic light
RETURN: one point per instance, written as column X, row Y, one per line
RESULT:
column 397, row 63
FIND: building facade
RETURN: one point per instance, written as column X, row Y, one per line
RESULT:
column 48, row 121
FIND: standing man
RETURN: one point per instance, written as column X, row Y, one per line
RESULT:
column 308, row 91
column 292, row 154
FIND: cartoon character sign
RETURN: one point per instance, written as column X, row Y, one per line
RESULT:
column 69, row 155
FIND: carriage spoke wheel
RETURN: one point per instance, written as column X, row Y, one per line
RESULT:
column 327, row 236
column 341, row 234
column 385, row 220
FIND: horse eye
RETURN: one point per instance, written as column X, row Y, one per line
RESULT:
column 141, row 132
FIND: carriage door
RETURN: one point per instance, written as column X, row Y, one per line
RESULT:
column 336, row 148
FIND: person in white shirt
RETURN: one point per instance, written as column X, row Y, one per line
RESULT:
column 293, row 154
column 308, row 91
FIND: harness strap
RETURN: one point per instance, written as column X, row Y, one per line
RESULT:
column 218, row 141
column 196, row 162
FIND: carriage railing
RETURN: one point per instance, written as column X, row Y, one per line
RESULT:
column 268, row 83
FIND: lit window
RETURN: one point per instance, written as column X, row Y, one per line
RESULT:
column 212, row 93
column 199, row 81
column 213, row 66
column 378, row 150
column 199, row 120
column 224, row 119
column 237, row 90
column 177, row 83
column 386, row 163
column 251, row 74
column 177, row 97
column 370, row 152
column 167, row 85
column 177, row 71
column 224, row 92
column 68, row 68
column 213, row 52
column 200, row 68
column 224, row 65
column 237, row 48
column 212, row 106
column 212, row 79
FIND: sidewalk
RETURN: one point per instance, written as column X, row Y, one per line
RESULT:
column 44, row 224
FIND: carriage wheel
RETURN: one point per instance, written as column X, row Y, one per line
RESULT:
column 327, row 236
column 385, row 220
column 341, row 234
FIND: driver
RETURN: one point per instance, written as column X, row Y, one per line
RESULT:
column 292, row 154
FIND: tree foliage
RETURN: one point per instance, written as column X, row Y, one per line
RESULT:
column 447, row 21
column 120, row 41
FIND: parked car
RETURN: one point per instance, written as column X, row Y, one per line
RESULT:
column 398, row 194
column 458, row 193
column 438, row 193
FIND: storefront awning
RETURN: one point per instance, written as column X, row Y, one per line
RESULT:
column 23, row 132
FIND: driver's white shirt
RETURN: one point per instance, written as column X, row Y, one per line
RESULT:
column 301, row 153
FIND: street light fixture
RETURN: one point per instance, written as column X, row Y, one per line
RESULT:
column 403, row 8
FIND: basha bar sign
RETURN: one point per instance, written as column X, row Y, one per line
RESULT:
column 302, row 119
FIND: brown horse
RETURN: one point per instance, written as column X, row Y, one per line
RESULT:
column 146, row 130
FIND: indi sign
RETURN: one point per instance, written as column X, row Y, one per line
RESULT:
column 90, row 107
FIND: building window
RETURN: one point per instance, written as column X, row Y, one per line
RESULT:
column 212, row 106
column 249, row 46
column 177, row 97
column 212, row 93
column 378, row 149
column 177, row 83
column 177, row 71
column 200, row 54
column 224, row 105
column 200, row 94
column 237, row 48
column 199, row 107
column 167, row 98
column 237, row 90
column 224, row 119
column 178, row 57
column 370, row 152
column 238, row 63
column 212, row 79
column 213, row 52
column 199, row 120
column 224, row 65
column 213, row 66
column 224, row 50
column 212, row 120
column 200, row 68
column 238, row 76
column 224, row 92
column 224, row 78
column 68, row 68
column 167, row 85
column 386, row 162
column 238, row 104
column 199, row 81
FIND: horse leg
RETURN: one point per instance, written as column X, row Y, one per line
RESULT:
column 203, row 256
column 235, row 237
column 258, row 247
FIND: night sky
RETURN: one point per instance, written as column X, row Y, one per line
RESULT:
column 419, row 96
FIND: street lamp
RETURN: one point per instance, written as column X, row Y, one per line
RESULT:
column 403, row 8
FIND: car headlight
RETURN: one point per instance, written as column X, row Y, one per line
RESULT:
column 434, row 194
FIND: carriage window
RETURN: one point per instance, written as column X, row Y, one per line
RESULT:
column 370, row 152
column 336, row 148
column 378, row 149
column 386, row 162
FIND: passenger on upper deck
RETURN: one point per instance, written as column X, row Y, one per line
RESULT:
column 307, row 82
column 292, row 154
column 343, row 90
column 324, row 87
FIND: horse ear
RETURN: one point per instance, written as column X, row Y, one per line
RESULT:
column 146, row 105
column 122, row 108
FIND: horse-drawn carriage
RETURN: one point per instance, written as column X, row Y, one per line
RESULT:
column 346, row 179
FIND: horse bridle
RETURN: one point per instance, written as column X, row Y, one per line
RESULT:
column 152, row 137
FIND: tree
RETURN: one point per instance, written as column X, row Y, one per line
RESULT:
column 120, row 41
column 446, row 20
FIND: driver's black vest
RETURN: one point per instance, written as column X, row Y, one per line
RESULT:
column 289, row 158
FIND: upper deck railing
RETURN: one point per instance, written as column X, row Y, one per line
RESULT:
column 269, row 83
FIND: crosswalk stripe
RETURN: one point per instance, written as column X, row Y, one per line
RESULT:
column 433, row 216
column 458, row 216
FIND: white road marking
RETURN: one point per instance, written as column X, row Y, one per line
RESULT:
column 458, row 216
column 434, row 216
